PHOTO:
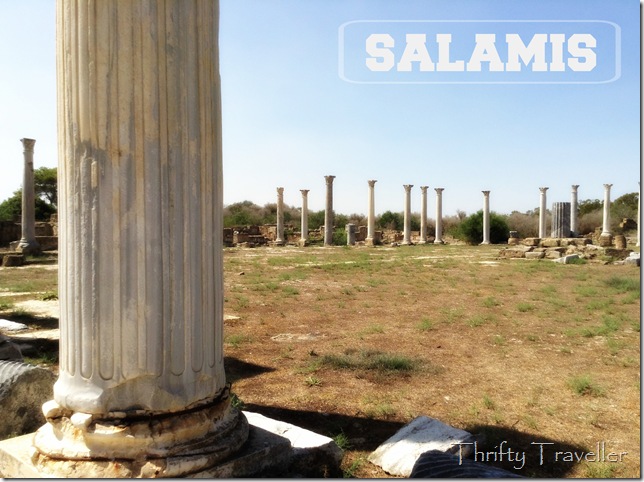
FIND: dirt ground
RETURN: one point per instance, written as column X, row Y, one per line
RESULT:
column 529, row 355
column 535, row 357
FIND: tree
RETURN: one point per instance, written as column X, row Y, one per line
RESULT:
column 471, row 228
column 589, row 205
column 625, row 206
column 46, row 185
column 11, row 208
column 389, row 220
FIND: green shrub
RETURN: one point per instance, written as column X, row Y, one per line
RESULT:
column 471, row 229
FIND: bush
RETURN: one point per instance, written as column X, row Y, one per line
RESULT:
column 471, row 229
column 527, row 225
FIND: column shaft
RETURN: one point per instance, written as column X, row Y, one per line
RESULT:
column 439, row 216
column 542, row 212
column 486, row 217
column 407, row 215
column 423, row 215
column 304, row 235
column 606, row 224
column 328, row 212
column 371, row 216
column 28, row 243
column 574, row 211
column 279, row 238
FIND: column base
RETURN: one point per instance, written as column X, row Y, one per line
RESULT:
column 127, row 445
column 484, row 242
column 29, row 248
column 439, row 241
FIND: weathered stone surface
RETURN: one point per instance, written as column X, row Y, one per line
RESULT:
column 633, row 259
column 438, row 465
column 582, row 241
column 620, row 241
column 7, row 325
column 515, row 252
column 605, row 240
column 312, row 454
column 567, row 259
column 23, row 390
column 513, row 241
column 13, row 260
column 535, row 255
column 549, row 242
column 531, row 241
column 9, row 350
column 553, row 254
column 398, row 454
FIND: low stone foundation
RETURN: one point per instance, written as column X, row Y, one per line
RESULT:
column 555, row 248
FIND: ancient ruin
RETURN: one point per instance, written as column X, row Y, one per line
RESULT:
column 486, row 217
column 28, row 243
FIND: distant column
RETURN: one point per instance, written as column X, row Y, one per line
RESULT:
column 542, row 212
column 28, row 243
column 606, row 226
column 407, row 216
column 560, row 220
column 279, row 238
column 371, row 218
column 439, row 215
column 351, row 234
column 423, row 215
column 328, row 212
column 486, row 217
column 304, row 236
column 574, row 210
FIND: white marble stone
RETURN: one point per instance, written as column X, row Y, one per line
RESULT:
column 423, row 215
column 304, row 228
column 28, row 243
column 574, row 211
column 542, row 212
column 486, row 217
column 407, row 215
column 279, row 239
column 606, row 223
column 371, row 216
column 438, row 239
column 328, row 211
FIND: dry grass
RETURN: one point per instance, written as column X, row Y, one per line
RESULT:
column 514, row 350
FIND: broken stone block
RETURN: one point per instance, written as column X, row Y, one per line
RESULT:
column 566, row 259
column 439, row 465
column 550, row 242
column 398, row 454
column 553, row 254
column 535, row 255
column 9, row 350
column 13, row 260
column 531, row 241
column 23, row 390
column 633, row 259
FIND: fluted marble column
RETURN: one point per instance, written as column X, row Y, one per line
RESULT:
column 486, row 217
column 407, row 215
column 279, row 238
column 606, row 224
column 328, row 211
column 574, row 211
column 304, row 235
column 542, row 212
column 560, row 220
column 439, row 215
column 28, row 243
column 423, row 215
column 142, row 389
column 371, row 215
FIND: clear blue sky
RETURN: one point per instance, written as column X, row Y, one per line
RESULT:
column 299, row 103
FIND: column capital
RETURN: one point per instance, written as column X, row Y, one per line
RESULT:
column 280, row 190
column 575, row 187
column 424, row 189
column 28, row 144
column 486, row 193
column 372, row 182
column 543, row 189
column 439, row 190
column 304, row 192
column 329, row 179
column 408, row 187
column 607, row 186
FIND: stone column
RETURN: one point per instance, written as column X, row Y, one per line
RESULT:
column 279, row 238
column 304, row 236
column 407, row 215
column 574, row 211
column 351, row 234
column 606, row 224
column 542, row 212
column 439, row 215
column 28, row 243
column 560, row 220
column 142, row 390
column 423, row 215
column 486, row 217
column 371, row 217
column 328, row 212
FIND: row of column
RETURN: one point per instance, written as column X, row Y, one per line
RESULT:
column 563, row 219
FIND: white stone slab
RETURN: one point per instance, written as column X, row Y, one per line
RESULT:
column 7, row 325
column 398, row 454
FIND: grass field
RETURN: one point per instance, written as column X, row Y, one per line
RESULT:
column 355, row 342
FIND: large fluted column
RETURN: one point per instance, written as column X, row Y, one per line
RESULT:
column 142, row 389
column 560, row 220
column 279, row 238
column 439, row 215
column 328, row 211
column 304, row 235
column 407, row 215
column 574, row 211
column 542, row 212
column 28, row 243
column 486, row 217
column 606, row 224
column 371, row 216
column 423, row 215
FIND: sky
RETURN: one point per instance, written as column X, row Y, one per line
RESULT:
column 362, row 89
